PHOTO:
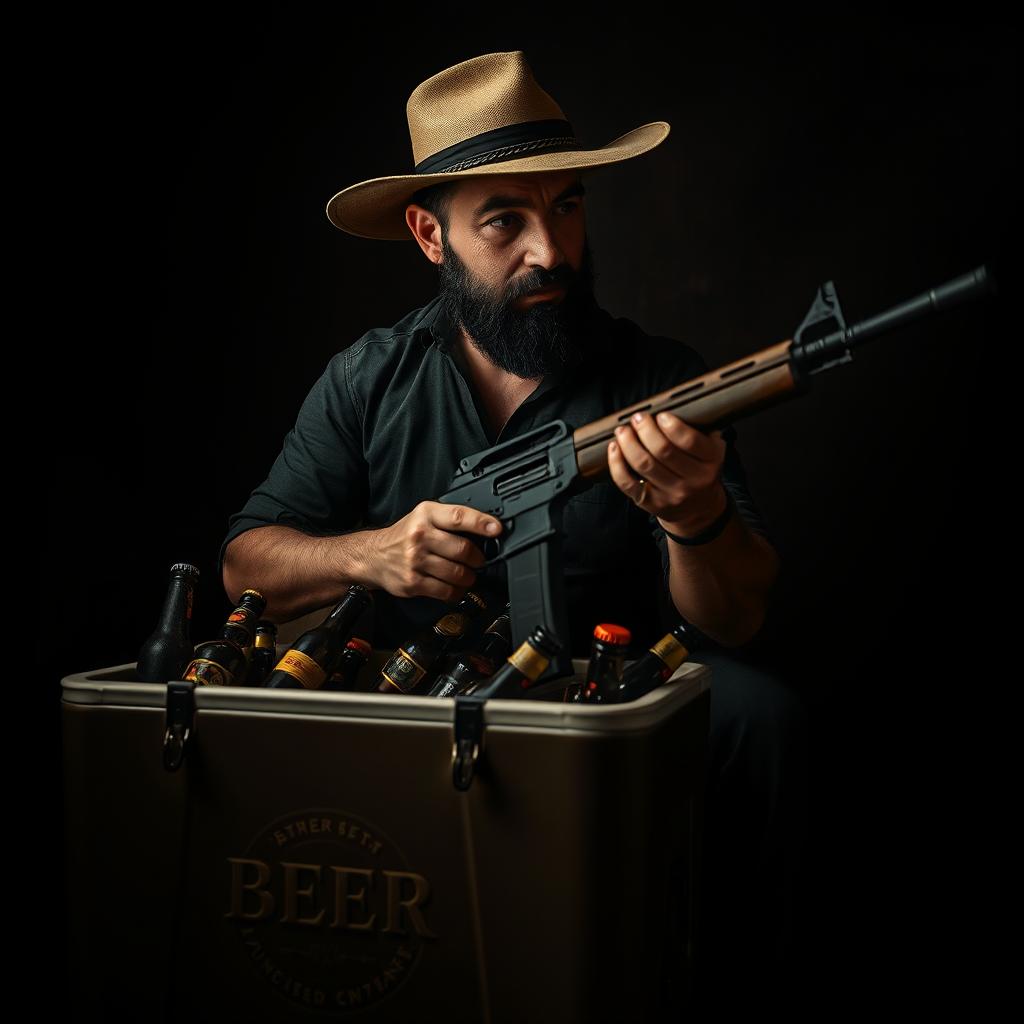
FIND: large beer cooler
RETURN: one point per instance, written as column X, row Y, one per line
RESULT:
column 307, row 856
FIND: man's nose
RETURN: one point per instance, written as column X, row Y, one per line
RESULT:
column 542, row 248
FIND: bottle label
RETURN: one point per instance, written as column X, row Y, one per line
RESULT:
column 207, row 673
column 671, row 651
column 402, row 672
column 529, row 661
column 265, row 640
column 453, row 624
column 445, row 686
column 303, row 668
column 240, row 615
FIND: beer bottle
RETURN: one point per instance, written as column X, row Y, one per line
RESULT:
column 264, row 653
column 309, row 662
column 168, row 649
column 346, row 674
column 224, row 662
column 472, row 665
column 604, row 671
column 409, row 669
column 658, row 663
column 522, row 668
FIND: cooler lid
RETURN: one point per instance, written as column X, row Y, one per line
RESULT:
column 116, row 687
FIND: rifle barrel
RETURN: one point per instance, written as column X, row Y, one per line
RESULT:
column 769, row 376
column 813, row 355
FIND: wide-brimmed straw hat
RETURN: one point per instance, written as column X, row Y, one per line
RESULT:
column 484, row 116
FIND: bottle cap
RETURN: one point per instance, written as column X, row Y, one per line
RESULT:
column 609, row 633
column 359, row 644
column 251, row 591
column 477, row 598
column 185, row 569
column 546, row 639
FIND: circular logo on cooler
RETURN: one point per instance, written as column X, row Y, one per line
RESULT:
column 329, row 912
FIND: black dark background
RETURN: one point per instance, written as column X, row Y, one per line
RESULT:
column 204, row 291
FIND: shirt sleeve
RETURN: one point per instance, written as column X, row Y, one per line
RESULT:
column 319, row 482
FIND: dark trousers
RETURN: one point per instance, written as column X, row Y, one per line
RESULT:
column 755, row 834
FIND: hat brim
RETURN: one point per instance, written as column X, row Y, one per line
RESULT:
column 376, row 208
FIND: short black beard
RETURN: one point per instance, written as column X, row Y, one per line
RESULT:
column 529, row 342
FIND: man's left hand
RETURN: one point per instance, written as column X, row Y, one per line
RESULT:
column 681, row 465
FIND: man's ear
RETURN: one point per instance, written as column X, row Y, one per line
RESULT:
column 426, row 230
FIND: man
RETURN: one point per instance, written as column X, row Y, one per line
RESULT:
column 516, row 339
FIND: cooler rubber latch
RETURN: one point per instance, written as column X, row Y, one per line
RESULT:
column 181, row 707
column 469, row 739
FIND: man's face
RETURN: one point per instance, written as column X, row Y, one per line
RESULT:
column 510, row 237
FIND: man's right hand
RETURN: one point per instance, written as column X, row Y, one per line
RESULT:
column 422, row 555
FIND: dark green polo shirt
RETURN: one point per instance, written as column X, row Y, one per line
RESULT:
column 387, row 423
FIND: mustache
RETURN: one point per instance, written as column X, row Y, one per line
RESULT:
column 540, row 279
column 500, row 302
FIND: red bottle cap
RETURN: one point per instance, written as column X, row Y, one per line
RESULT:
column 360, row 645
column 612, row 634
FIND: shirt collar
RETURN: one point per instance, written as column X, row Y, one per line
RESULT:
column 438, row 328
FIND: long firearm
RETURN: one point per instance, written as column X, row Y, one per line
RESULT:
column 525, row 482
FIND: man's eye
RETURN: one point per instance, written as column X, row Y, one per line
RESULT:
column 569, row 206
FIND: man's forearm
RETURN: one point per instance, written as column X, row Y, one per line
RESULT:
column 722, row 586
column 295, row 572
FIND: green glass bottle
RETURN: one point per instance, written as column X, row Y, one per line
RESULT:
column 658, row 663
column 309, row 662
column 604, row 670
column 264, row 653
column 411, row 668
column 523, row 668
column 480, row 662
column 345, row 676
column 225, row 661
column 166, row 652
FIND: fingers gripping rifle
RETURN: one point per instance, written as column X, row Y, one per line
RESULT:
column 526, row 482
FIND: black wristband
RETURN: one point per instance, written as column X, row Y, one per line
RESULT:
column 709, row 533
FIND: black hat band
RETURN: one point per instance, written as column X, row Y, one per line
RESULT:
column 553, row 136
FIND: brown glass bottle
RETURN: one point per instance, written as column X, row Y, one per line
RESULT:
column 658, row 663
column 409, row 669
column 264, row 653
column 166, row 652
column 604, row 671
column 224, row 662
column 309, row 662
column 346, row 673
column 523, row 668
column 481, row 662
